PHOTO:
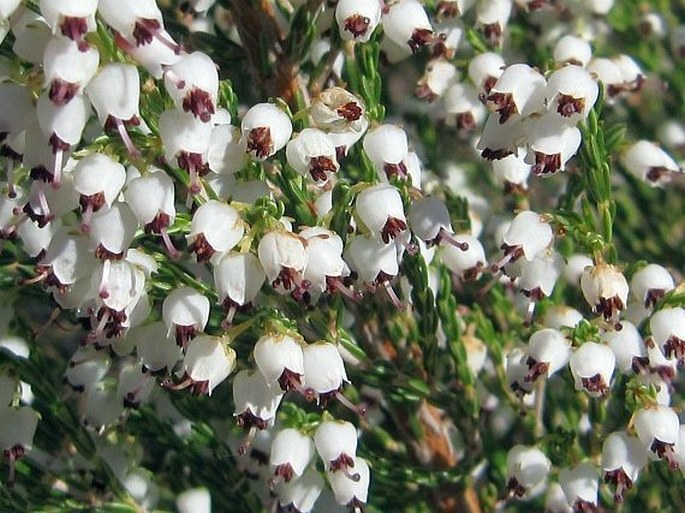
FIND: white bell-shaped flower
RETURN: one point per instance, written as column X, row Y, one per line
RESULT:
column 336, row 110
column 380, row 209
column 555, row 500
column 628, row 347
column 648, row 162
column 484, row 70
column 72, row 18
column 255, row 401
column 580, row 486
column 103, row 406
column 238, row 278
column 570, row 49
column 158, row 351
column 575, row 267
column 623, row 457
column 161, row 51
column 561, row 316
column 548, row 352
column 406, row 24
column 186, row 142
column 266, row 129
column 208, row 361
column 375, row 262
column 605, row 289
column 140, row 20
column 300, row 495
column 193, row 84
column 185, row 312
column 527, row 471
column 35, row 240
column 66, row 260
column 498, row 140
column 527, row 236
column 86, row 367
column 117, row 285
column 518, row 92
column 324, row 371
column 592, row 366
column 631, row 73
column 571, row 93
column 607, row 72
column 284, row 259
column 326, row 270
column 467, row 263
column 658, row 429
column 336, row 443
column 291, row 452
column 351, row 491
column 31, row 35
column 541, row 274
column 134, row 385
column 216, row 227
column 17, row 429
column 225, row 156
column 68, row 69
column 438, row 77
column 649, row 284
column 280, row 359
column 671, row 133
column 312, row 152
column 112, row 231
column 387, row 148
column 194, row 500
column 668, row 331
column 551, row 144
column 357, row 19
column 99, row 180
column 463, row 107
column 493, row 16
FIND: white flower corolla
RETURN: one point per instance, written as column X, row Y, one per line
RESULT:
column 512, row 171
column 71, row 18
column 527, row 236
column 280, row 360
column 194, row 500
column 68, row 69
column 406, row 24
column 351, row 491
column 607, row 72
column 493, row 16
column 103, row 406
column 650, row 284
column 312, row 152
column 649, row 163
column 561, row 316
column 380, row 209
column 438, row 77
column 225, row 155
column 35, row 240
column 500, row 140
column 484, row 70
column 162, row 51
column 17, row 429
column 541, row 274
column 570, row 49
column 291, row 452
column 357, row 19
column 31, row 35
column 658, row 428
column 628, row 347
column 467, row 263
column 671, row 133
column 527, row 471
column 623, row 457
column 324, row 371
column 208, row 361
column 238, row 278
column 185, row 312
column 518, row 93
column 387, row 147
column 216, row 228
column 336, row 110
column 111, row 231
column 575, row 266
column 193, row 84
column 580, row 486
column 134, row 385
column 86, row 367
column 373, row 260
column 117, row 285
column 592, row 366
column 668, row 331
column 552, row 143
column 548, row 352
column 463, row 108
column 98, row 179
column 631, row 73
column 265, row 130
column 605, row 289
column 429, row 220
column 284, row 259
column 336, row 443
column 255, row 401
column 67, row 259
column 555, row 500
column 326, row 270
column 135, row 19
column 186, row 142
column 571, row 93
column 301, row 494
column 158, row 351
